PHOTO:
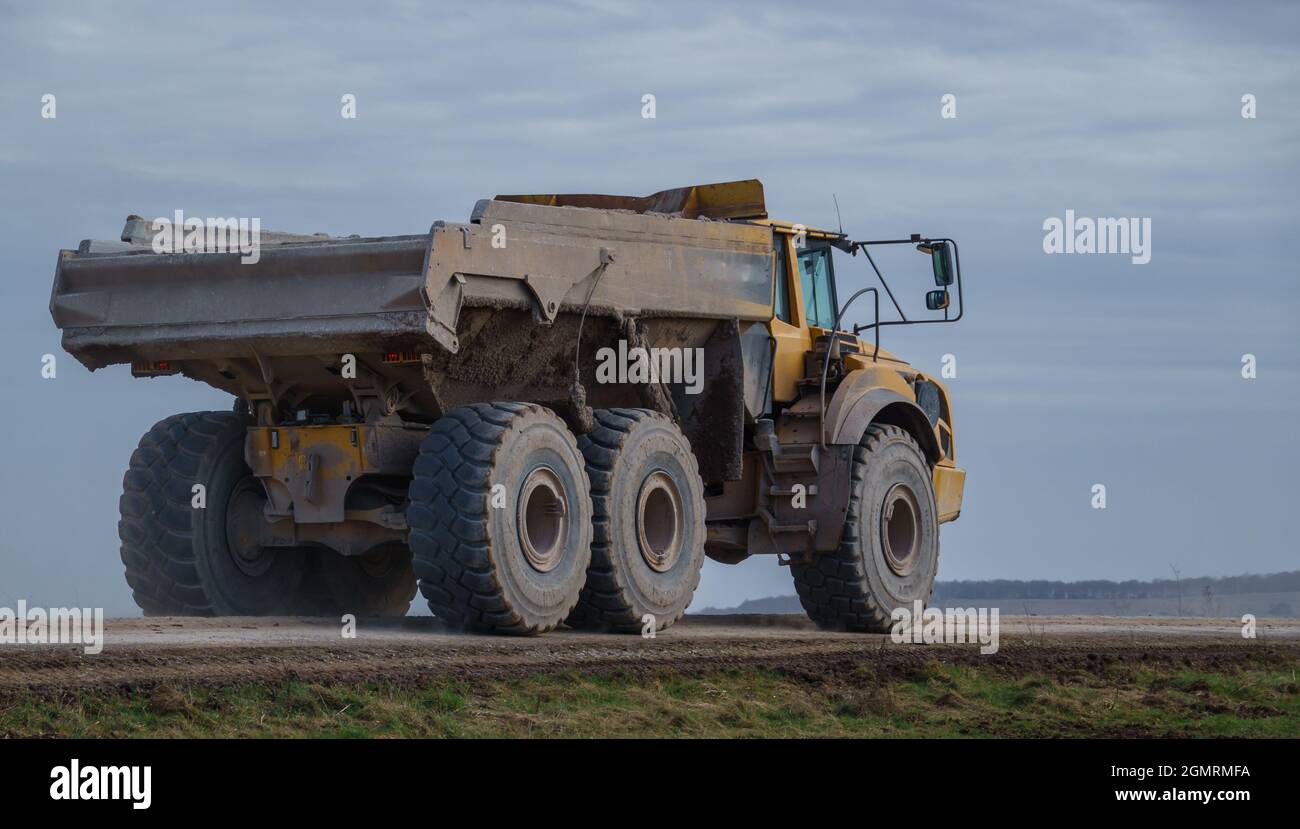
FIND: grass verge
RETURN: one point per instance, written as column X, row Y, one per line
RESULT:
column 936, row 700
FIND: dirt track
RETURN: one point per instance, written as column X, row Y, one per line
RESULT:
column 157, row 651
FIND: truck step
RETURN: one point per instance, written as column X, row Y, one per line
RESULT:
column 808, row 489
column 796, row 458
column 809, row 527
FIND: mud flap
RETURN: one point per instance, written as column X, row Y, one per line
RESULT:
column 714, row 419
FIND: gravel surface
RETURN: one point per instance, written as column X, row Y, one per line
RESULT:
column 141, row 653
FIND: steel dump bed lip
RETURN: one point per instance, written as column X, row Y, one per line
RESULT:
column 119, row 307
column 338, row 295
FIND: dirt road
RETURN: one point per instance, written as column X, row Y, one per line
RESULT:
column 158, row 651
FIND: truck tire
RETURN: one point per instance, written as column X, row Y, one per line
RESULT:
column 889, row 553
column 314, row 597
column 184, row 560
column 500, row 518
column 379, row 582
column 648, row 527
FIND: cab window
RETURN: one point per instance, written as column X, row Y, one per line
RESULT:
column 781, row 304
column 818, row 288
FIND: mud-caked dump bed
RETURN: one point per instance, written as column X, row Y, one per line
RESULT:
column 514, row 280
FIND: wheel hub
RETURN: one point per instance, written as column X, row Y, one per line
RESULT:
column 900, row 529
column 542, row 519
column 659, row 521
column 244, row 517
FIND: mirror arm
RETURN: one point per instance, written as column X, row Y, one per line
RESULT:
column 916, row 238
column 881, row 277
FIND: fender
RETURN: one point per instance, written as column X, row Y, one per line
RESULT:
column 869, row 396
column 865, row 396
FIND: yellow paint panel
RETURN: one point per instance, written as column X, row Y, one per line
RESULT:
column 949, row 486
column 339, row 448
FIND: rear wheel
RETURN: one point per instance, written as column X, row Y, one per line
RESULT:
column 648, row 532
column 379, row 582
column 191, row 550
column 889, row 551
column 500, row 518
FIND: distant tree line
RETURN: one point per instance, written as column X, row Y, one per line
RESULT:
column 1102, row 589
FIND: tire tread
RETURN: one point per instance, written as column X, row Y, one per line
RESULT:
column 604, row 603
column 154, row 522
column 833, row 589
column 448, row 518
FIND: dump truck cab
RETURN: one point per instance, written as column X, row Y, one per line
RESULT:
column 859, row 541
column 863, row 383
column 806, row 299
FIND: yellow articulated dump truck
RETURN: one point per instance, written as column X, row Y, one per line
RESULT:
column 548, row 414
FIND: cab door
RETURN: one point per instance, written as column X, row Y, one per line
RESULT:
column 817, row 286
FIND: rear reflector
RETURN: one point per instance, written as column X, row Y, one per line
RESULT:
column 400, row 358
column 161, row 368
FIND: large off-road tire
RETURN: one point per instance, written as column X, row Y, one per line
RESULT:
column 184, row 560
column 379, row 582
column 648, row 530
column 509, row 561
column 889, row 552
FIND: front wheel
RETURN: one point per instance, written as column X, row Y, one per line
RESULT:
column 889, row 552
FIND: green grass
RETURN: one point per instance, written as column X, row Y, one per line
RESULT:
column 938, row 700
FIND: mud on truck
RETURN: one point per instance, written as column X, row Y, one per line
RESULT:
column 429, row 412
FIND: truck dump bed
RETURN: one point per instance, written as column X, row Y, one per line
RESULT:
column 393, row 293
column 491, row 309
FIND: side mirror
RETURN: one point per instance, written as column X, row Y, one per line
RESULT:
column 940, row 261
column 936, row 300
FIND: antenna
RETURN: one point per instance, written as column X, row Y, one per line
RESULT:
column 838, row 217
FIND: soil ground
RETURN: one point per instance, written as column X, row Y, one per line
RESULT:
column 706, row 676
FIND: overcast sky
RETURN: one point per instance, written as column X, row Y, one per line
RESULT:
column 1072, row 370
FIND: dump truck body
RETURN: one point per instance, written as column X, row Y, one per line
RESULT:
column 468, row 313
column 349, row 355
